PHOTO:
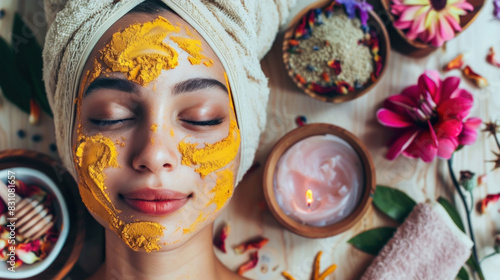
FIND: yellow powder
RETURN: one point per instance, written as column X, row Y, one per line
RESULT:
column 97, row 71
column 144, row 235
column 139, row 51
column 223, row 189
column 154, row 127
column 193, row 225
column 172, row 132
column 213, row 156
column 193, row 48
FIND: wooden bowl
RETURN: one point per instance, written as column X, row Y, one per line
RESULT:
column 417, row 48
column 373, row 22
column 62, row 179
column 367, row 187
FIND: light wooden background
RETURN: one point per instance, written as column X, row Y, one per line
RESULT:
column 290, row 252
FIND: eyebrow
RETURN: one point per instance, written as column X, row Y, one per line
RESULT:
column 131, row 87
column 197, row 84
column 112, row 83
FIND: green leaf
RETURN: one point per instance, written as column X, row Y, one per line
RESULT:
column 452, row 212
column 394, row 203
column 14, row 87
column 372, row 241
column 462, row 274
column 474, row 264
column 29, row 61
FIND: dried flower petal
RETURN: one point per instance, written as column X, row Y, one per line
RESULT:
column 335, row 65
column 300, row 79
column 455, row 63
column 478, row 80
column 287, row 275
column 220, row 239
column 481, row 179
column 254, row 259
column 293, row 42
column 491, row 58
column 256, row 243
column 34, row 112
column 489, row 200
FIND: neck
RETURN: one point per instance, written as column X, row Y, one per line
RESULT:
column 195, row 259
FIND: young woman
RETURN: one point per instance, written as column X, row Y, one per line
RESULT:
column 158, row 108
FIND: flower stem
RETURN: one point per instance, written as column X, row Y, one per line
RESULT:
column 462, row 197
column 496, row 140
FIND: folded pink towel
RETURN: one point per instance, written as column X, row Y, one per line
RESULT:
column 428, row 245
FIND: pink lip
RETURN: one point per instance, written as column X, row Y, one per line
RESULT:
column 155, row 201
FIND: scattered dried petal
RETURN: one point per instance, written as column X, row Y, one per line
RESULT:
column 491, row 58
column 478, row 80
column 489, row 200
column 293, row 42
column 254, row 259
column 256, row 243
column 220, row 239
column 481, row 179
column 300, row 79
column 316, row 265
column 335, row 65
column 455, row 63
column 34, row 112
column 325, row 76
column 287, row 276
column 327, row 272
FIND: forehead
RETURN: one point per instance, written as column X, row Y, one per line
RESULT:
column 185, row 30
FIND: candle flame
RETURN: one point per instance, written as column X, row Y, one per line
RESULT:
column 309, row 197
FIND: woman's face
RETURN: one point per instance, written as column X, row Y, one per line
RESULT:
column 155, row 141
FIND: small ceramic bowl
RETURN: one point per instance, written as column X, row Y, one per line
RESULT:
column 38, row 169
column 368, row 186
column 417, row 48
column 374, row 23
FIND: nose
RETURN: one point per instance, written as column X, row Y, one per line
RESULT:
column 155, row 155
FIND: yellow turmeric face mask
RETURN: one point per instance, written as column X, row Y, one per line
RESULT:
column 141, row 53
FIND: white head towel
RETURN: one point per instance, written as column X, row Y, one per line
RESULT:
column 240, row 32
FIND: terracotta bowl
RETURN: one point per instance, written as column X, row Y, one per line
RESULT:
column 417, row 48
column 367, row 187
column 373, row 22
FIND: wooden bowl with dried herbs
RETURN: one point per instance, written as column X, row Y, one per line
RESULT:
column 336, row 51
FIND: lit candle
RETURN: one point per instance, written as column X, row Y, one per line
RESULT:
column 328, row 171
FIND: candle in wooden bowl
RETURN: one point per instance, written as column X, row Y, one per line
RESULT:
column 334, row 56
column 318, row 179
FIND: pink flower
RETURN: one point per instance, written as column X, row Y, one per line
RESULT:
column 432, row 21
column 430, row 118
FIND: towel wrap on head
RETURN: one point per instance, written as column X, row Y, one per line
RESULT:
column 239, row 32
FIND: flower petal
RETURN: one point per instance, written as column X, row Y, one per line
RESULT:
column 391, row 119
column 469, row 132
column 413, row 93
column 446, row 148
column 455, row 108
column 422, row 147
column 401, row 143
column 448, row 87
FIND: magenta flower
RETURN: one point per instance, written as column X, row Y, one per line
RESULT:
column 430, row 118
column 432, row 21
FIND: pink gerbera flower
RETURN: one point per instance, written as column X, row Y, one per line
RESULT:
column 430, row 118
column 432, row 21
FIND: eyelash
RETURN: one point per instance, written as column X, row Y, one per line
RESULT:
column 196, row 123
column 107, row 122
column 204, row 123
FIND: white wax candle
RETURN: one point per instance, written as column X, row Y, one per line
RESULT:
column 329, row 167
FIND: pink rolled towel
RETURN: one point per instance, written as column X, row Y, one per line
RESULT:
column 428, row 245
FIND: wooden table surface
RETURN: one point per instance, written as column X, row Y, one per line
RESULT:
column 422, row 181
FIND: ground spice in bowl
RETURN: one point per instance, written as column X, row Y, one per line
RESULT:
column 333, row 51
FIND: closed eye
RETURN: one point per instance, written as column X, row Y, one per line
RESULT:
column 108, row 122
column 204, row 123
